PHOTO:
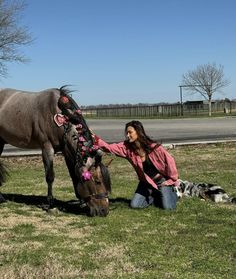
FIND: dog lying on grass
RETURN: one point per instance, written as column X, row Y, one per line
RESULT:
column 204, row 191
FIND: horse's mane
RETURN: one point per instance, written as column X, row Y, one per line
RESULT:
column 65, row 91
column 72, row 111
column 104, row 172
column 106, row 176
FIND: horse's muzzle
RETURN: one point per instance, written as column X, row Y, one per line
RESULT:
column 101, row 212
column 98, row 207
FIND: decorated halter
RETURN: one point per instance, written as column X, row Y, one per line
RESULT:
column 71, row 113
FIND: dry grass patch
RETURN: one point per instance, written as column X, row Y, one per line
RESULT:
column 52, row 269
column 116, row 261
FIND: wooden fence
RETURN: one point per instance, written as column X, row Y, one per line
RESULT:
column 159, row 111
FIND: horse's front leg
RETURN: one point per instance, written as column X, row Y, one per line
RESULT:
column 48, row 156
column 71, row 168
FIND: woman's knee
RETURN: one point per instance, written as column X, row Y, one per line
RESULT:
column 134, row 204
column 140, row 201
column 168, row 205
column 169, row 199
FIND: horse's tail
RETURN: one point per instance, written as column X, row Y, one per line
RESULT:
column 3, row 173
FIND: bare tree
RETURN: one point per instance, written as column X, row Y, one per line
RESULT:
column 12, row 35
column 206, row 80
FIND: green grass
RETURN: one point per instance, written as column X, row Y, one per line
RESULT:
column 197, row 240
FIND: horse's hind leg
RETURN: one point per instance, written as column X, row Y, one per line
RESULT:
column 48, row 156
column 3, row 174
column 2, row 143
column 2, row 170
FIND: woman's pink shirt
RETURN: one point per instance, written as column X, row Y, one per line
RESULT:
column 159, row 156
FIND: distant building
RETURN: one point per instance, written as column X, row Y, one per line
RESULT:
column 196, row 104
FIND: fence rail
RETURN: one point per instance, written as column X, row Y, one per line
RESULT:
column 159, row 111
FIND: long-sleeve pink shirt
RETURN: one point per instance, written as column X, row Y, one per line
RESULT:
column 159, row 156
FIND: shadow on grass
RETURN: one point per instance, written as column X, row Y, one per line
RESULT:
column 42, row 202
column 72, row 206
column 120, row 200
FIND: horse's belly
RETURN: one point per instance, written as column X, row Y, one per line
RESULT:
column 17, row 137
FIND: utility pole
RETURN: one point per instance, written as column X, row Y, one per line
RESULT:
column 181, row 100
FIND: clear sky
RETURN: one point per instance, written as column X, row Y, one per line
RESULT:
column 125, row 51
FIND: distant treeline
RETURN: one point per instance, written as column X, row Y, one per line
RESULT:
column 153, row 104
column 123, row 105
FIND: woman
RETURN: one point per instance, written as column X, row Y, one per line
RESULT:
column 155, row 167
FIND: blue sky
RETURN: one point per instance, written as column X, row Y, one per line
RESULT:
column 125, row 51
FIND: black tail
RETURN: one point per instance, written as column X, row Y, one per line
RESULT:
column 3, row 173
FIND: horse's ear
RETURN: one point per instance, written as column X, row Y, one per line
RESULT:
column 60, row 119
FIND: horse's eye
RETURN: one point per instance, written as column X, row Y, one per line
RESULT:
column 74, row 137
column 98, row 182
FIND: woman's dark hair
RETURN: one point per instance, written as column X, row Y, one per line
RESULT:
column 143, row 138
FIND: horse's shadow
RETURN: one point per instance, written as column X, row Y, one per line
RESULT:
column 120, row 200
column 71, row 206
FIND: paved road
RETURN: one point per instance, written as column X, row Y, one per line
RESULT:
column 164, row 130
column 171, row 130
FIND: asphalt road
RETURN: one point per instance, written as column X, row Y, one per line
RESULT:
column 163, row 130
column 170, row 130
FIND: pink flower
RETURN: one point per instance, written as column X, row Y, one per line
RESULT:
column 79, row 126
column 64, row 100
column 78, row 111
column 81, row 138
column 86, row 175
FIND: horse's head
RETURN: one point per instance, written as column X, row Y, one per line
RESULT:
column 90, row 177
column 95, row 187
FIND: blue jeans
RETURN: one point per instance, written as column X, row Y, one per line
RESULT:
column 165, row 197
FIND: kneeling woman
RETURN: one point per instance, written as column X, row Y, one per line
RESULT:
column 155, row 167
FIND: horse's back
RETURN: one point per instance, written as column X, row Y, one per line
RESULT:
column 9, row 96
column 25, row 117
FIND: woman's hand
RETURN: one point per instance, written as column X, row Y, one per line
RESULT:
column 94, row 137
column 92, row 133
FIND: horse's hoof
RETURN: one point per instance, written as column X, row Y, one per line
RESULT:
column 51, row 203
column 53, row 211
column 83, row 205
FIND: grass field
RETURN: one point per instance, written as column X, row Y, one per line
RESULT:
column 198, row 240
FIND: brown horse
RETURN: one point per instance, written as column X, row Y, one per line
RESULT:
column 51, row 120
